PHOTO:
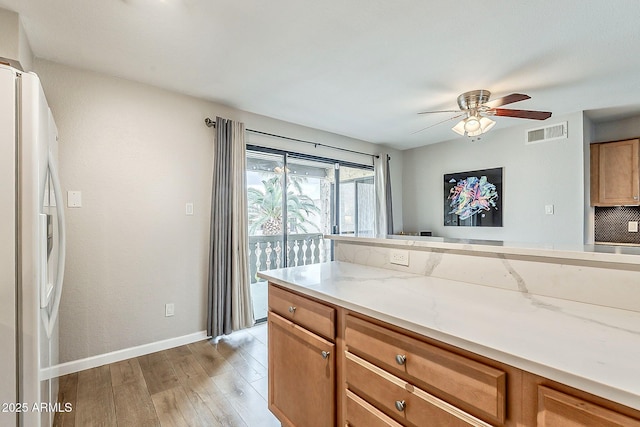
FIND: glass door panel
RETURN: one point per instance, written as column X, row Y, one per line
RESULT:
column 265, row 201
column 310, row 210
column 357, row 201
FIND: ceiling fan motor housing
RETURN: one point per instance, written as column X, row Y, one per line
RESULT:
column 472, row 100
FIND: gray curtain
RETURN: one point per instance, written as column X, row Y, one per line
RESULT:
column 384, row 209
column 230, row 306
column 387, row 196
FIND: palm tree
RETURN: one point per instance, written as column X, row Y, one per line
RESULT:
column 265, row 207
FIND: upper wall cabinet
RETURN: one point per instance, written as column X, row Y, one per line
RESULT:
column 614, row 173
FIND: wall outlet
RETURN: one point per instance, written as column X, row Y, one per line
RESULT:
column 399, row 257
column 632, row 226
column 169, row 310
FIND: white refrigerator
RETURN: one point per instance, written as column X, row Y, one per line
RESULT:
column 32, row 252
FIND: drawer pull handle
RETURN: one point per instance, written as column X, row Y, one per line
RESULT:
column 292, row 309
column 325, row 354
column 400, row 405
column 401, row 359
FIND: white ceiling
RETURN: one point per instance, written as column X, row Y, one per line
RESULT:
column 361, row 68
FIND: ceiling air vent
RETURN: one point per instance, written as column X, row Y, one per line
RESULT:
column 547, row 133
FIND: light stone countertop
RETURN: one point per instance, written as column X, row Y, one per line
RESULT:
column 617, row 254
column 589, row 347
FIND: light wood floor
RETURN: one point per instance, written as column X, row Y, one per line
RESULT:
column 200, row 384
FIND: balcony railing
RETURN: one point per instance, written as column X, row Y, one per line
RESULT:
column 267, row 252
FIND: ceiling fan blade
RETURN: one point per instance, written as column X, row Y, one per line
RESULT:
column 509, row 99
column 521, row 114
column 439, row 123
column 440, row 111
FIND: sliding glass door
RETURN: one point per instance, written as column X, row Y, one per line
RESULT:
column 293, row 200
column 357, row 201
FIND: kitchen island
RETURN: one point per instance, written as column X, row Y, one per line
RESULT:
column 528, row 346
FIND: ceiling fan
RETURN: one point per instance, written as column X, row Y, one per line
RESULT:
column 475, row 106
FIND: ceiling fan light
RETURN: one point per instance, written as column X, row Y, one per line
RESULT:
column 486, row 124
column 459, row 128
column 472, row 124
column 475, row 133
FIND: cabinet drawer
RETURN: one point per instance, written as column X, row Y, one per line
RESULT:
column 361, row 414
column 560, row 409
column 400, row 400
column 453, row 377
column 309, row 314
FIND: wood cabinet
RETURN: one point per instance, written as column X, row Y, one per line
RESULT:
column 330, row 366
column 449, row 375
column 361, row 414
column 560, row 409
column 400, row 400
column 549, row 403
column 302, row 367
column 615, row 178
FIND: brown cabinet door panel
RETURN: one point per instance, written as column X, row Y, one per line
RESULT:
column 301, row 376
column 556, row 409
column 615, row 168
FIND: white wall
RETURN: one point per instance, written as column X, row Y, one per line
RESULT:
column 534, row 176
column 138, row 154
column 614, row 130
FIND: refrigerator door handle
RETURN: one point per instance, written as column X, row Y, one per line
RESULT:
column 62, row 245
column 45, row 286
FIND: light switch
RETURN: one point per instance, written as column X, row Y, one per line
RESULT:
column 74, row 199
column 632, row 226
column 189, row 209
column 548, row 209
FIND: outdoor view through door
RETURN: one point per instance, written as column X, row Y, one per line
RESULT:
column 293, row 201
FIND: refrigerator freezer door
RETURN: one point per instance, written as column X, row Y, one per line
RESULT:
column 38, row 339
column 8, row 280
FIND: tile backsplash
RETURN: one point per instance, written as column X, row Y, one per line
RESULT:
column 611, row 224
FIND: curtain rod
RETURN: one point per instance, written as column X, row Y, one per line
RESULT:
column 210, row 123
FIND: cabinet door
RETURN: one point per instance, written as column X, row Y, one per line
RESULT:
column 301, row 376
column 618, row 164
column 556, row 409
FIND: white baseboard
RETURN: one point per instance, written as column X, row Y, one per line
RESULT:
column 119, row 355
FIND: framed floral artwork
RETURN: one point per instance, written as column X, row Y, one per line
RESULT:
column 474, row 198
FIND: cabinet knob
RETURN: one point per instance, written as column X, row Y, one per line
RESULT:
column 292, row 309
column 400, row 405
column 401, row 359
column 325, row 354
